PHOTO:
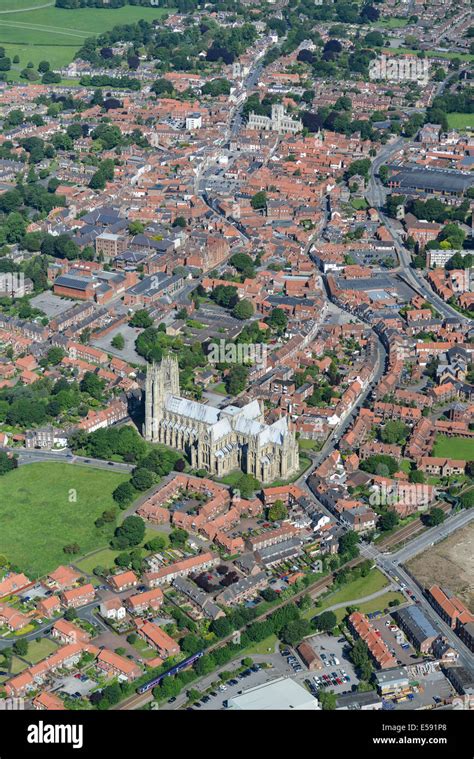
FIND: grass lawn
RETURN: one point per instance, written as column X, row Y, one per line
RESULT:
column 38, row 515
column 359, row 203
column 392, row 23
column 309, row 445
column 405, row 466
column 144, row 650
column 358, row 588
column 54, row 34
column 454, row 447
column 38, row 650
column 220, row 388
column 231, row 479
column 461, row 120
column 261, row 647
column 17, row 666
column 105, row 557
column 377, row 604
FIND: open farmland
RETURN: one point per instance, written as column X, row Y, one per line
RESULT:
column 37, row 31
column 449, row 564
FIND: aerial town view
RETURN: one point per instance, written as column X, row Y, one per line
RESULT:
column 236, row 359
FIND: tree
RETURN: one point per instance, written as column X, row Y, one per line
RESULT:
column 141, row 318
column 131, row 532
column 124, row 494
column 394, row 431
column 295, row 631
column 247, row 484
column 70, row 615
column 327, row 699
column 277, row 511
column 277, row 320
column 221, row 627
column 259, row 200
column 7, row 463
column 178, row 537
column 20, row 647
column 225, row 296
column 326, row 621
column 388, row 520
column 380, row 464
column 467, row 499
column 156, row 544
column 243, row 310
column 453, row 234
column 142, row 478
column 243, row 263
column 118, row 342
column 348, row 544
column 436, row 516
column 236, row 379
column 92, row 385
column 416, row 476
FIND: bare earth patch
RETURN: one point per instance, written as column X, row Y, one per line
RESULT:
column 449, row 564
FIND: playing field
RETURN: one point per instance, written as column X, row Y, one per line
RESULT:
column 38, row 31
column 461, row 120
column 44, row 507
column 454, row 447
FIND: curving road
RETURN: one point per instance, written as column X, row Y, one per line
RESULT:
column 376, row 196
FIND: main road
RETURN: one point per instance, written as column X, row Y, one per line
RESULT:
column 390, row 564
column 376, row 196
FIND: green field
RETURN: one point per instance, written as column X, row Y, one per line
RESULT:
column 54, row 34
column 454, row 447
column 358, row 588
column 392, row 22
column 38, row 650
column 105, row 557
column 38, row 513
column 266, row 646
column 461, row 120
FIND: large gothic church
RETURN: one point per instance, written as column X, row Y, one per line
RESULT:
column 217, row 440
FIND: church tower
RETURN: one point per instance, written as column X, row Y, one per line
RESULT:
column 162, row 380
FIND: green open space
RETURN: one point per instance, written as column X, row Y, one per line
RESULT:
column 38, row 33
column 454, row 447
column 39, row 649
column 105, row 557
column 392, row 23
column 461, row 120
column 17, row 665
column 46, row 506
column 266, row 646
column 309, row 445
column 358, row 588
column 377, row 604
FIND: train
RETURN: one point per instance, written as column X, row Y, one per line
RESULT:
column 172, row 671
